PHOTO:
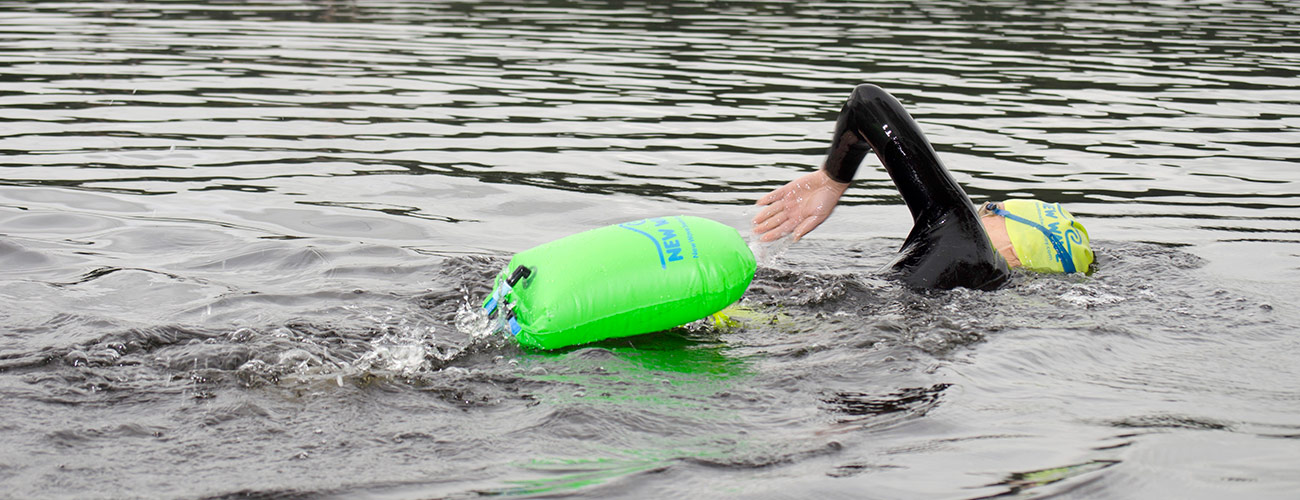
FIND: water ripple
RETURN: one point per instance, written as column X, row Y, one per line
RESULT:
column 237, row 233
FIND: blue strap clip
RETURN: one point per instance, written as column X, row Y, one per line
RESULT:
column 499, row 296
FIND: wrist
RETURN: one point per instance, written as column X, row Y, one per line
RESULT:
column 829, row 180
column 836, row 175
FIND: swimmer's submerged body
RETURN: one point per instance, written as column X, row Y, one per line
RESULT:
column 951, row 243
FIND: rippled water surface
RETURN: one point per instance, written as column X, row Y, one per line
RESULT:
column 235, row 237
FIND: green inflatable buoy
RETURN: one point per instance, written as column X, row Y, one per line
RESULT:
column 626, row 279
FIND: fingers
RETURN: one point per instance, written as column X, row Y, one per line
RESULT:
column 773, row 195
column 807, row 225
column 771, row 222
column 797, row 207
column 767, row 212
column 778, row 232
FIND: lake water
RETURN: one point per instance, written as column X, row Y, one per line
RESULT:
column 235, row 237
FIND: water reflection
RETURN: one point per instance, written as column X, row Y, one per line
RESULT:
column 663, row 101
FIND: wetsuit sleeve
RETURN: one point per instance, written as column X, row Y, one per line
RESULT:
column 873, row 119
column 947, row 246
column 848, row 147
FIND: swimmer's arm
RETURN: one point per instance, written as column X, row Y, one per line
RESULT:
column 881, row 123
column 798, row 207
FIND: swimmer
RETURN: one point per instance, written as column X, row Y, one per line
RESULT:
column 952, row 243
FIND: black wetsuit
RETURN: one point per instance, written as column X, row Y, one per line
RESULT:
column 947, row 247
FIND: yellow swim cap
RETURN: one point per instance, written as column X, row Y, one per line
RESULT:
column 1045, row 237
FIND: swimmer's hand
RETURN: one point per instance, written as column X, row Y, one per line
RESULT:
column 798, row 207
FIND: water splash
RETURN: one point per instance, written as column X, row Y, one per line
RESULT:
column 767, row 253
column 389, row 343
column 1092, row 294
column 473, row 321
column 481, row 322
column 403, row 355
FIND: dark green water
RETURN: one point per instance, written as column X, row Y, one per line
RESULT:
column 235, row 236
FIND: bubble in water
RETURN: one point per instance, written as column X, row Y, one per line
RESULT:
column 298, row 360
column 1091, row 295
column 242, row 335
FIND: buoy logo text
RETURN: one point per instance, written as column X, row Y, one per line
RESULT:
column 671, row 245
column 668, row 241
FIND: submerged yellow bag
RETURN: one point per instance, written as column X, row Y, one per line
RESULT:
column 626, row 279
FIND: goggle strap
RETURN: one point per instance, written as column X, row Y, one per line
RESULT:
column 1067, row 261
